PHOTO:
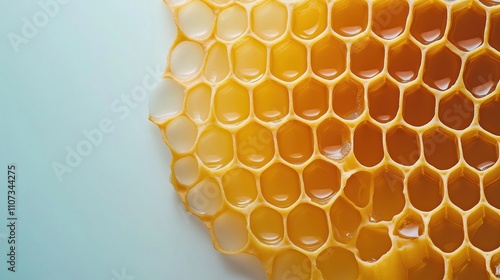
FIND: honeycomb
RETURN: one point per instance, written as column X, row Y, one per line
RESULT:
column 346, row 139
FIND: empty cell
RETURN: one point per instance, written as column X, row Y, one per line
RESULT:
column 239, row 187
column 481, row 73
column 230, row 231
column 388, row 196
column 430, row 266
column 440, row 148
column 410, row 226
column 181, row 134
column 429, row 21
column 196, row 20
column 186, row 170
column 280, row 185
column 217, row 66
column 480, row 151
column 307, row 227
column 309, row 19
column 267, row 225
column 186, row 59
column 255, row 145
column 468, row 264
column 419, row 105
column 270, row 101
column 288, row 259
column 495, row 265
column 483, row 226
column 373, row 243
column 489, row 115
column 446, row 229
column 321, row 180
column 492, row 188
column 456, row 110
column 166, row 100
column 358, row 188
column 441, row 68
column 403, row 145
column 334, row 139
column 463, row 188
column 269, row 20
column 337, row 263
column 425, row 189
column 348, row 99
column 249, row 59
column 389, row 18
column 288, row 60
column 494, row 38
column 404, row 60
column 349, row 17
column 345, row 220
column 367, row 57
column 467, row 26
column 310, row 99
column 368, row 145
column 215, row 147
column 205, row 198
column 383, row 100
column 295, row 142
column 198, row 102
column 232, row 22
column 329, row 57
column 231, row 103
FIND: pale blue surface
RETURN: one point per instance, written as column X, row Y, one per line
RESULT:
column 116, row 210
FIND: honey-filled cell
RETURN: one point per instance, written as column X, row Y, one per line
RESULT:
column 329, row 57
column 429, row 21
column 389, row 18
column 295, row 142
column 267, row 225
column 467, row 26
column 309, row 19
column 307, row 226
column 310, row 99
column 367, row 57
column 348, row 100
column 349, row 17
column 321, row 180
column 270, row 101
column 418, row 105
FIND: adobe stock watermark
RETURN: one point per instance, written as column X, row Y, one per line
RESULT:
column 122, row 275
column 120, row 108
column 31, row 26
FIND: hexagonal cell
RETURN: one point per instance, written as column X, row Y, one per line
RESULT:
column 196, row 20
column 388, row 196
column 321, row 180
column 446, row 229
column 463, row 188
column 349, row 17
column 329, row 57
column 425, row 189
column 217, row 66
column 373, row 243
column 310, row 99
column 267, row 225
column 167, row 100
column 492, row 187
column 215, row 147
column 232, row 22
column 231, row 103
column 440, row 148
column 480, row 151
column 280, row 185
column 249, row 59
column 368, row 145
column 367, row 57
column 181, row 134
column 456, row 110
column 288, row 259
column 495, row 265
column 468, row 264
column 481, row 73
column 389, row 18
column 429, row 21
column 309, row 19
column 383, row 100
column 186, row 170
column 269, row 20
column 205, row 197
column 295, row 142
column 198, row 100
column 494, row 38
column 403, row 145
column 483, row 226
column 307, row 226
column 418, row 105
column 334, row 139
column 345, row 220
column 358, row 188
column 239, row 187
column 489, row 115
column 404, row 60
column 186, row 59
column 270, row 101
column 288, row 60
column 441, row 68
column 230, row 231
column 348, row 99
column 430, row 266
column 337, row 263
column 255, row 145
column 467, row 26
column 410, row 226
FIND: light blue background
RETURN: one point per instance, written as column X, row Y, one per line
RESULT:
column 116, row 212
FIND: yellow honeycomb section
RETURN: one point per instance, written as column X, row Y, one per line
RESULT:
column 346, row 139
